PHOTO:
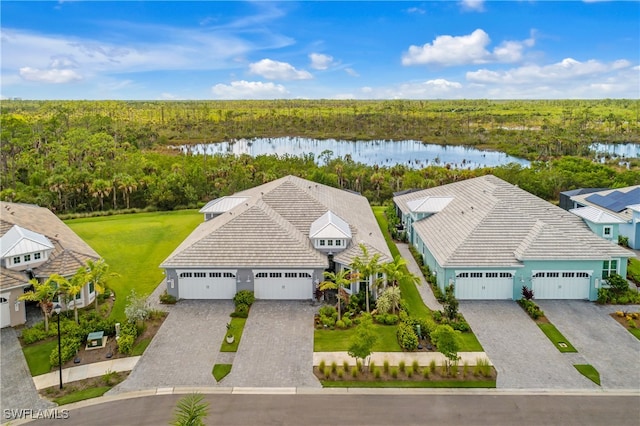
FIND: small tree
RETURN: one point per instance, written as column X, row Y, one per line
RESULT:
column 190, row 411
column 446, row 340
column 527, row 294
column 44, row 293
column 367, row 267
column 98, row 273
column 617, row 284
column 363, row 339
column 136, row 309
column 73, row 287
column 336, row 280
column 389, row 301
column 450, row 303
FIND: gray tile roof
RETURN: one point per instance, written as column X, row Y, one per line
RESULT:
column 271, row 229
column 493, row 223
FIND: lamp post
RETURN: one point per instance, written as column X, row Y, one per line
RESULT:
column 57, row 308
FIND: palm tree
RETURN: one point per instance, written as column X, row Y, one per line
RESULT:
column 367, row 266
column 98, row 273
column 100, row 188
column 71, row 288
column 44, row 293
column 397, row 272
column 127, row 185
column 190, row 411
column 336, row 280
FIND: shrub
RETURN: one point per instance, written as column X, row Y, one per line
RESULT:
column 377, row 373
column 33, row 334
column 109, row 377
column 167, row 299
column 69, row 347
column 388, row 319
column 483, row 367
column 401, row 366
column 345, row 365
column 322, row 365
column 125, row 343
column 527, row 293
column 425, row 373
column 327, row 321
column 347, row 322
column 334, row 367
column 328, row 311
column 394, row 372
column 340, row 373
column 631, row 323
column 407, row 337
column 242, row 311
column 244, row 297
column 354, row 372
column 531, row 308
column 461, row 326
column 465, row 369
column 340, row 324
column 415, row 365
column 327, row 373
column 437, row 316
column 409, row 372
column 432, row 365
column 359, row 365
column 385, row 366
column 372, row 366
column 454, row 369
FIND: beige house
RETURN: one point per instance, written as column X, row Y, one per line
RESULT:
column 34, row 243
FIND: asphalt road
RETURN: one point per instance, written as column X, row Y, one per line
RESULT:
column 370, row 410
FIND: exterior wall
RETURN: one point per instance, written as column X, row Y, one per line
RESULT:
column 632, row 231
column 172, row 282
column 598, row 229
column 18, row 312
column 244, row 280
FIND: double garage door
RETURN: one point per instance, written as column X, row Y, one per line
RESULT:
column 483, row 285
column 561, row 285
column 221, row 284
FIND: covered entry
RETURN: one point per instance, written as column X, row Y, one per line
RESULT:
column 283, row 284
column 561, row 284
column 483, row 285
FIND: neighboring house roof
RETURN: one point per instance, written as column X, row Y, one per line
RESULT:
column 271, row 228
column 69, row 250
column 429, row 204
column 19, row 241
column 490, row 222
column 613, row 201
column 329, row 225
column 222, row 204
column 581, row 191
column 595, row 215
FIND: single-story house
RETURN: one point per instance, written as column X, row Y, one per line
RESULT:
column 490, row 238
column 35, row 243
column 611, row 213
column 276, row 240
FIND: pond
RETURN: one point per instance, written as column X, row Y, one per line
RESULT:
column 413, row 154
column 616, row 150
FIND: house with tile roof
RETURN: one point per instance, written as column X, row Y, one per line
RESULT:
column 276, row 239
column 35, row 243
column 490, row 238
column 611, row 213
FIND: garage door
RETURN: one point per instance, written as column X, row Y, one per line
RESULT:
column 207, row 285
column 560, row 285
column 5, row 313
column 482, row 285
column 283, row 285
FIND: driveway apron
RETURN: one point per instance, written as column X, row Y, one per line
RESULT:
column 276, row 349
column 520, row 352
column 17, row 390
column 601, row 341
column 185, row 348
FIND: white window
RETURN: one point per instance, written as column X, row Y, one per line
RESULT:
column 609, row 267
column 322, row 242
column 329, row 242
column 538, row 275
column 36, row 256
column 16, row 260
column 338, row 242
column 607, row 231
column 79, row 295
column 27, row 258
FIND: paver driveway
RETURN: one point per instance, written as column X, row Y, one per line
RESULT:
column 520, row 352
column 601, row 341
column 185, row 348
column 276, row 349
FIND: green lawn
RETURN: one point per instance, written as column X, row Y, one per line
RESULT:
column 220, row 371
column 469, row 343
column 411, row 384
column 37, row 355
column 635, row 332
column 140, row 347
column 589, row 372
column 556, row 337
column 82, row 395
column 326, row 340
column 237, row 325
column 134, row 245
column 633, row 270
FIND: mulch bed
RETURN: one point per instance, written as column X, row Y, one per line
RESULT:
column 623, row 319
column 437, row 375
column 93, row 382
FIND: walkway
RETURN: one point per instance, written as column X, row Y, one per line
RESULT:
column 425, row 289
column 87, row 371
column 394, row 358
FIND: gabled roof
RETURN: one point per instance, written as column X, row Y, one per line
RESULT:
column 271, row 228
column 595, row 215
column 490, row 222
column 222, row 204
column 428, row 204
column 329, row 225
column 18, row 241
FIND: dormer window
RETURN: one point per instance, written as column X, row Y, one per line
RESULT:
column 338, row 242
column 330, row 231
column 37, row 256
column 322, row 242
column 27, row 258
column 329, row 242
column 16, row 260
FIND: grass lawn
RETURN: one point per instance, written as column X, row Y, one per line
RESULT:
column 37, row 356
column 635, row 332
column 409, row 292
column 82, row 395
column 237, row 325
column 134, row 245
column 633, row 270
column 326, row 340
column 140, row 347
column 220, row 371
column 469, row 343
column 411, row 384
column 589, row 371
column 556, row 337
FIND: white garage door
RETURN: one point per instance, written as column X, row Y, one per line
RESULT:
column 560, row 285
column 5, row 313
column 283, row 285
column 481, row 285
column 207, row 285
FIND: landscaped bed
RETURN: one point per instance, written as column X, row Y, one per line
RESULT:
column 629, row 320
column 84, row 389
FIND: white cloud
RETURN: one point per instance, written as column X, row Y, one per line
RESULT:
column 472, row 5
column 320, row 61
column 54, row 76
column 429, row 89
column 249, row 90
column 416, row 10
column 351, row 72
column 275, row 70
column 448, row 50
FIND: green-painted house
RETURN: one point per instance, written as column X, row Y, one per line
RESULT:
column 490, row 238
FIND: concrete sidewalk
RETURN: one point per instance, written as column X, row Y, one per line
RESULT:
column 82, row 372
column 394, row 358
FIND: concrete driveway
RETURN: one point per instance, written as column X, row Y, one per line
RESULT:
column 601, row 341
column 185, row 348
column 276, row 348
column 520, row 352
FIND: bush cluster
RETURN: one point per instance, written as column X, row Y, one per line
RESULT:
column 167, row 299
column 75, row 335
column 244, row 297
column 388, row 319
column 531, row 308
column 128, row 335
column 329, row 316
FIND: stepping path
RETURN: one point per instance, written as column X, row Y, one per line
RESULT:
column 425, row 289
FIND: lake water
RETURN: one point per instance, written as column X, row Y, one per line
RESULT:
column 620, row 150
column 413, row 154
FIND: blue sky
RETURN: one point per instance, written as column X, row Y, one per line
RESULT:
column 470, row 49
